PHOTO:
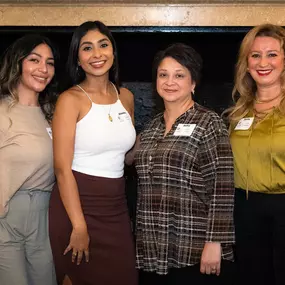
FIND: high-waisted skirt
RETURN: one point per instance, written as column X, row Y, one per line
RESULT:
column 112, row 255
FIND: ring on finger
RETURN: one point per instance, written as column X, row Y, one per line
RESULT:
column 74, row 253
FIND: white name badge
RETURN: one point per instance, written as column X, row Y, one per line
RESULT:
column 49, row 131
column 185, row 130
column 123, row 116
column 244, row 124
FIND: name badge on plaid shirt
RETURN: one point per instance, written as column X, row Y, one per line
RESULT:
column 185, row 130
column 244, row 124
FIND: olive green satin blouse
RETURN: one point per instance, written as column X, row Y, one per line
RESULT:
column 259, row 154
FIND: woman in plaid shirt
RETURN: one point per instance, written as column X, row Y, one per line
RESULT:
column 185, row 189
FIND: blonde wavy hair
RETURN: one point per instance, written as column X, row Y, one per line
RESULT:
column 245, row 87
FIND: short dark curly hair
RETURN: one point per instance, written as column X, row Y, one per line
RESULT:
column 185, row 55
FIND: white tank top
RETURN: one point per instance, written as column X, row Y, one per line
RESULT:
column 103, row 136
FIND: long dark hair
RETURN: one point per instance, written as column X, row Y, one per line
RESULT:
column 11, row 72
column 76, row 73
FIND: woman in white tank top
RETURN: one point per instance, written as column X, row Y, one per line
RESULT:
column 92, row 131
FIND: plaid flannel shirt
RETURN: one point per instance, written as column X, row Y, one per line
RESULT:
column 185, row 191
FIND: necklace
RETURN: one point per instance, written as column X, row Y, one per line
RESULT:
column 266, row 101
column 259, row 115
column 109, row 113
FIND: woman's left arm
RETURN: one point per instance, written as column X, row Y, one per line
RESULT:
column 127, row 99
column 217, row 169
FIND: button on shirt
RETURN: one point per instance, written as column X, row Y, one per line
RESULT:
column 185, row 191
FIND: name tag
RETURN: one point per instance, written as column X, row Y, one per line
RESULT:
column 123, row 117
column 185, row 130
column 244, row 124
column 49, row 131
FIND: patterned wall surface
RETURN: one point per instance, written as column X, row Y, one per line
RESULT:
column 141, row 13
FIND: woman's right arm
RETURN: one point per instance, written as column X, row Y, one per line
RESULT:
column 63, row 128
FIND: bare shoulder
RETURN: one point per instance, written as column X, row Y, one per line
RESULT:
column 127, row 97
column 69, row 105
column 71, row 97
column 126, row 94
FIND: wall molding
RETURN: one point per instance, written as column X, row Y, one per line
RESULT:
column 155, row 13
column 155, row 2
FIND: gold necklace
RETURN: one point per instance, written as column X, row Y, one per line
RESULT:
column 260, row 115
column 109, row 115
column 266, row 101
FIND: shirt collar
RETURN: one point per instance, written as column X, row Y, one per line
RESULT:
column 182, row 116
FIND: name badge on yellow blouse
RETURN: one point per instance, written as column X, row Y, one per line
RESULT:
column 244, row 124
column 49, row 131
column 185, row 130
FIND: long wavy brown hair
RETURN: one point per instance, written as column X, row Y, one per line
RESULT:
column 245, row 87
column 11, row 72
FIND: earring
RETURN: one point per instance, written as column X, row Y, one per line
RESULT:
column 193, row 92
column 77, row 69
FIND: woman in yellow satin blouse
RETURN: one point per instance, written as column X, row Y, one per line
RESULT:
column 258, row 143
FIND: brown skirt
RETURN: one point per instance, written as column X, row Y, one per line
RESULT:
column 112, row 256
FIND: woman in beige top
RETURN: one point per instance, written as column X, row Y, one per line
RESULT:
column 27, row 98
